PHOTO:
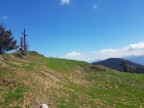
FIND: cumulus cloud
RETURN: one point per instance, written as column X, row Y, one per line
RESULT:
column 132, row 49
column 137, row 46
column 73, row 54
column 4, row 17
column 94, row 6
column 64, row 2
column 108, row 51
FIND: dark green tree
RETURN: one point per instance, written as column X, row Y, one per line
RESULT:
column 7, row 41
column 124, row 66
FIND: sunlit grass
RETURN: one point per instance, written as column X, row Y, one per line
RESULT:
column 66, row 84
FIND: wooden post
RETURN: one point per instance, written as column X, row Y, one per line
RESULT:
column 25, row 47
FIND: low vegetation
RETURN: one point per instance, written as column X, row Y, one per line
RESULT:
column 27, row 81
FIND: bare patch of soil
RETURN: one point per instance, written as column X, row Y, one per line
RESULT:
column 8, row 83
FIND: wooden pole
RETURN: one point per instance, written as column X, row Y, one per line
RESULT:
column 24, row 34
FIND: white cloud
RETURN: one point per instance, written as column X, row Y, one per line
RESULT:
column 132, row 49
column 73, row 54
column 94, row 6
column 108, row 51
column 136, row 46
column 4, row 17
column 64, row 2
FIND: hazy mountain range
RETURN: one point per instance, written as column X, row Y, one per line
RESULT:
column 121, row 65
column 136, row 59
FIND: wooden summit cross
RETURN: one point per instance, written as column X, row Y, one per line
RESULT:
column 24, row 34
column 23, row 44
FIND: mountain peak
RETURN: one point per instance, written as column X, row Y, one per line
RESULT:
column 119, row 64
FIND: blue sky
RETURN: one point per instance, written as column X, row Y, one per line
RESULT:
column 78, row 29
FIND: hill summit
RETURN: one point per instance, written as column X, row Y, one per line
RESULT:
column 27, row 81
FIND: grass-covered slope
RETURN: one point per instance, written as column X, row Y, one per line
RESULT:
column 25, row 82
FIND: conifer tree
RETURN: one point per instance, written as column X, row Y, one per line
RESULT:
column 7, row 41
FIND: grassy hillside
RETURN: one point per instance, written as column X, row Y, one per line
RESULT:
column 25, row 82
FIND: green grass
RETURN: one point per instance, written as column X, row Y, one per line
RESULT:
column 63, row 83
column 11, row 90
column 64, row 65
column 14, row 97
column 120, row 89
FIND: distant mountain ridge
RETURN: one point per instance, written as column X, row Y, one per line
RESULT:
column 137, row 59
column 121, row 65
